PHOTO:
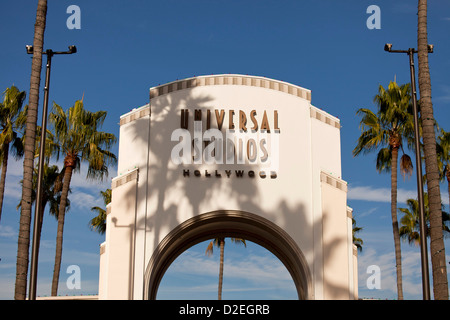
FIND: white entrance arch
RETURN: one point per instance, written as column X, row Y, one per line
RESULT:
column 278, row 184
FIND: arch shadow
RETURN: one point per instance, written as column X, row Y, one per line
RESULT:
column 229, row 223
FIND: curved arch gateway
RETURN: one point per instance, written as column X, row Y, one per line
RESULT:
column 230, row 155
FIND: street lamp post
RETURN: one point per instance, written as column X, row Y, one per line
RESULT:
column 422, row 222
column 35, row 242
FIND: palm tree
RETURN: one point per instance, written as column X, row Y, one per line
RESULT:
column 385, row 132
column 437, row 248
column 410, row 225
column 99, row 222
column 23, row 246
column 358, row 242
column 11, row 118
column 443, row 150
column 220, row 242
column 78, row 139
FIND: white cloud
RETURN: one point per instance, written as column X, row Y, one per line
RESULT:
column 411, row 273
column 250, row 273
column 82, row 201
column 85, row 194
column 13, row 188
column 7, row 232
column 79, row 180
column 367, row 212
column 369, row 193
column 192, row 263
column 82, row 258
column 253, row 268
column 7, row 282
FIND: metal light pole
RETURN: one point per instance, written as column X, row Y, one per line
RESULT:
column 35, row 242
column 422, row 222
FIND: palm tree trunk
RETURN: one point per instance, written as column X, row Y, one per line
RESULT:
column 448, row 182
column 29, row 148
column 398, row 255
column 222, row 246
column 437, row 249
column 3, row 178
column 59, row 233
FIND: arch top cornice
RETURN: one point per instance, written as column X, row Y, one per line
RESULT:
column 231, row 79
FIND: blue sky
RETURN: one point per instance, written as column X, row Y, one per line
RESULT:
column 126, row 47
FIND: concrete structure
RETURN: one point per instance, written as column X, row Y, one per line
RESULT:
column 278, row 185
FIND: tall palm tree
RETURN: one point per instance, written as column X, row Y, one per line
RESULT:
column 385, row 132
column 220, row 242
column 437, row 248
column 11, row 118
column 99, row 222
column 23, row 245
column 410, row 224
column 78, row 139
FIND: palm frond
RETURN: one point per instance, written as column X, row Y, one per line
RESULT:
column 406, row 166
column 11, row 117
column 210, row 248
column 384, row 157
column 239, row 241
column 216, row 243
column 77, row 134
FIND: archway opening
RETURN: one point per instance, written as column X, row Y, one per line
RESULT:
column 250, row 272
column 229, row 224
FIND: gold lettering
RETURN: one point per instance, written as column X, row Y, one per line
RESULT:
column 197, row 115
column 275, row 117
column 184, row 118
column 208, row 119
column 242, row 121
column 265, row 123
column 220, row 118
column 255, row 122
column 252, row 151
column 230, row 120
